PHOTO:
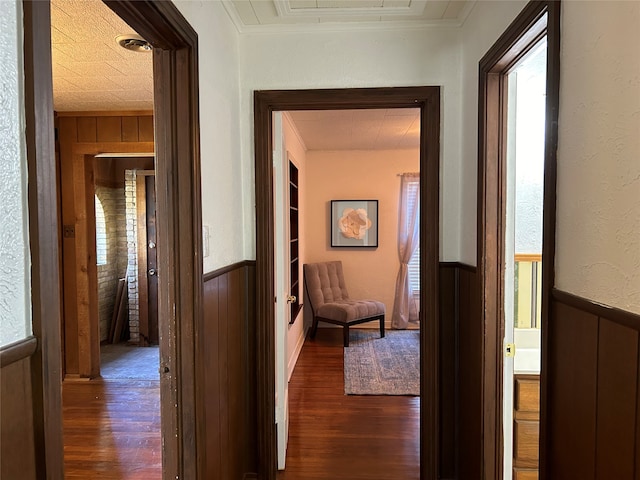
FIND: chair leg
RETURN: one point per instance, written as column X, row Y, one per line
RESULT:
column 345, row 334
column 382, row 326
column 314, row 328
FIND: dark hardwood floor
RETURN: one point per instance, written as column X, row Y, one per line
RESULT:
column 334, row 436
column 112, row 429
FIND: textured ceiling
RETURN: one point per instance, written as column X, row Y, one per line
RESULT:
column 379, row 129
column 269, row 15
column 91, row 72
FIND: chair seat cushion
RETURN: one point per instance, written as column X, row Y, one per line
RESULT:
column 350, row 310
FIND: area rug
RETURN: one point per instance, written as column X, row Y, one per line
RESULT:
column 382, row 366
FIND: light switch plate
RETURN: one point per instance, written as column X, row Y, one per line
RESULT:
column 205, row 241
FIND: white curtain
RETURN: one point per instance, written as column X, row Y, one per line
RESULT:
column 405, row 309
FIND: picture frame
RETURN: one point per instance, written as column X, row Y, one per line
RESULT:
column 354, row 223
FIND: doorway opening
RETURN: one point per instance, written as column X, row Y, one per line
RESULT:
column 105, row 148
column 179, row 257
column 344, row 154
column 526, row 90
column 518, row 102
column 266, row 102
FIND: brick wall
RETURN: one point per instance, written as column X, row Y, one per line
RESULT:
column 113, row 204
column 132, row 254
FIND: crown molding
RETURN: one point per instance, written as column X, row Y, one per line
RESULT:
column 283, row 7
column 382, row 25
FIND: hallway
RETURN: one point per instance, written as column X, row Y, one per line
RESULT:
column 112, row 424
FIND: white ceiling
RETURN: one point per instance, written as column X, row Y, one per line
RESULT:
column 303, row 15
column 91, row 72
column 372, row 129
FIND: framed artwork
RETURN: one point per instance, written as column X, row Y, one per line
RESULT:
column 354, row 223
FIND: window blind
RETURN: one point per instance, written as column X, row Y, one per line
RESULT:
column 413, row 202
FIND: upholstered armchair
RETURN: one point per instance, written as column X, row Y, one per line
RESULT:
column 330, row 302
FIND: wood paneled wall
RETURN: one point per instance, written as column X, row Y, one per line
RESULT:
column 17, row 444
column 593, row 396
column 460, row 372
column 228, row 428
column 448, row 378
column 593, row 419
column 470, row 334
column 80, row 137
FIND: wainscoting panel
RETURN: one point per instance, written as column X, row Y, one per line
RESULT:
column 617, row 396
column 573, row 352
column 460, row 373
column 592, row 396
column 228, row 374
column 470, row 335
column 448, row 369
column 17, row 453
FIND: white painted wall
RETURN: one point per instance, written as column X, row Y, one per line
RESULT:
column 483, row 27
column 360, row 59
column 598, row 211
column 366, row 175
column 15, row 258
column 223, row 188
column 598, row 254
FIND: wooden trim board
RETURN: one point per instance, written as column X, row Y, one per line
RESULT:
column 176, row 114
column 17, row 351
column 524, row 31
column 266, row 102
column 43, row 236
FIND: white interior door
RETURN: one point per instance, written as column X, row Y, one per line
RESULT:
column 281, row 282
column 523, row 233
column 509, row 293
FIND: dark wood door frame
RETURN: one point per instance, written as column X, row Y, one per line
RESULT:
column 46, row 362
column 265, row 103
column 179, row 229
column 85, row 279
column 520, row 36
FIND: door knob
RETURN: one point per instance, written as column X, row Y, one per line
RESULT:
column 152, row 245
column 291, row 299
column 152, row 271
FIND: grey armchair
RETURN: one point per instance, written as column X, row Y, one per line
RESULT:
column 330, row 302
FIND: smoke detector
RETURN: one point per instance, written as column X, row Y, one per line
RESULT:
column 133, row 42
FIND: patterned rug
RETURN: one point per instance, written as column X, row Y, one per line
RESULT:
column 382, row 366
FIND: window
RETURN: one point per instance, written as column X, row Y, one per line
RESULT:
column 414, row 275
column 413, row 203
column 101, row 234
